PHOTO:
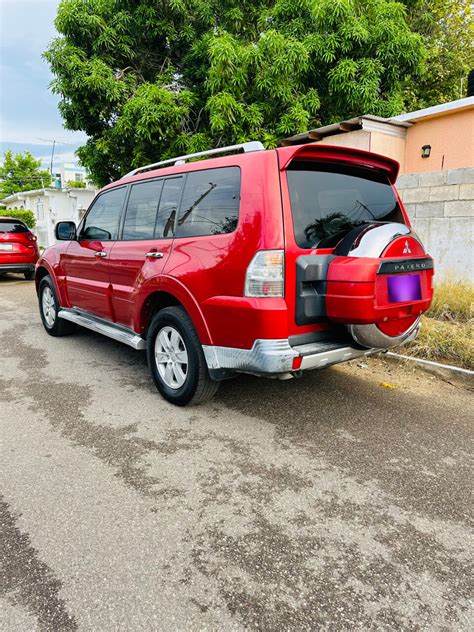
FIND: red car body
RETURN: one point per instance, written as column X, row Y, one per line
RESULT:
column 18, row 248
column 330, row 292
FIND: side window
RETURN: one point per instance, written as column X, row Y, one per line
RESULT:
column 168, row 208
column 210, row 204
column 101, row 223
column 140, row 216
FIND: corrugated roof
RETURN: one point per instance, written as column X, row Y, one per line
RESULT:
column 356, row 123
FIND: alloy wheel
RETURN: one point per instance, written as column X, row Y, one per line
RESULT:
column 171, row 357
column 48, row 306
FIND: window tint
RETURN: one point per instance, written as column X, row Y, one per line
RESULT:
column 142, row 207
column 168, row 207
column 13, row 226
column 329, row 201
column 102, row 220
column 210, row 204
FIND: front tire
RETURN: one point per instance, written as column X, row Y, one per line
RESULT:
column 176, row 359
column 49, row 308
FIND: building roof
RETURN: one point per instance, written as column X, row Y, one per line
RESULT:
column 19, row 195
column 435, row 110
column 367, row 122
column 393, row 126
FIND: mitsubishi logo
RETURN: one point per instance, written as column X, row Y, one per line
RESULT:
column 406, row 250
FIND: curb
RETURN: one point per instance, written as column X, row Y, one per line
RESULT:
column 445, row 370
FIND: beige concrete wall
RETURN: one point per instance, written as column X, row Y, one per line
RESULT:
column 451, row 138
column 440, row 205
column 359, row 139
column 378, row 142
column 387, row 145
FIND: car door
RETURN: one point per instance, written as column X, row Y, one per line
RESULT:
column 147, row 234
column 86, row 262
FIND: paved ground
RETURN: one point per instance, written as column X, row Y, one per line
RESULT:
column 332, row 502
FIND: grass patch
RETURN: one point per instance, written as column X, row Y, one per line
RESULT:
column 447, row 342
column 447, row 332
column 453, row 302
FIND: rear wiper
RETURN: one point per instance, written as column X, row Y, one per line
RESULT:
column 366, row 208
column 186, row 214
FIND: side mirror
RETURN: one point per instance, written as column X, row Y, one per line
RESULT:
column 65, row 231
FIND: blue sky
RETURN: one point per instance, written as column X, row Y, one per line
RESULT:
column 28, row 110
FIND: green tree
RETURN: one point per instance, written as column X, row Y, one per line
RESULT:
column 150, row 80
column 26, row 216
column 21, row 172
column 447, row 30
column 72, row 184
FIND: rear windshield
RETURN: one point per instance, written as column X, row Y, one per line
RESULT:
column 328, row 201
column 12, row 226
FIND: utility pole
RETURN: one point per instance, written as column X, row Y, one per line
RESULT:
column 51, row 140
column 52, row 156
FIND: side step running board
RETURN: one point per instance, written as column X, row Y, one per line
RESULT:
column 106, row 328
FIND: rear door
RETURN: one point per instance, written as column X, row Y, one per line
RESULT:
column 145, row 242
column 323, row 202
column 86, row 261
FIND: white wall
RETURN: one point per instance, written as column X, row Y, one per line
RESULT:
column 58, row 205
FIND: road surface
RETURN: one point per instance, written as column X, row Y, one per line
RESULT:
column 340, row 501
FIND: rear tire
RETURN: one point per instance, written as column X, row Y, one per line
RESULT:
column 176, row 359
column 49, row 308
column 29, row 275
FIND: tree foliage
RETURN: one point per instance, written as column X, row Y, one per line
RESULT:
column 72, row 184
column 21, row 172
column 448, row 33
column 148, row 80
column 27, row 217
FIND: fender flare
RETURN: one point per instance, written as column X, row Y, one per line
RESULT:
column 180, row 292
column 52, row 272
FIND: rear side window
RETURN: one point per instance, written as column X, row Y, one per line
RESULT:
column 13, row 226
column 101, row 222
column 327, row 201
column 168, row 207
column 210, row 204
column 142, row 207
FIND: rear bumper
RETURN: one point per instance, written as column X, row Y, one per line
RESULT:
column 275, row 357
column 17, row 267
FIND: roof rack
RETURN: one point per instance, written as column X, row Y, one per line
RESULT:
column 253, row 145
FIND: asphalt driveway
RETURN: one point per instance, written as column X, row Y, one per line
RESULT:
column 340, row 501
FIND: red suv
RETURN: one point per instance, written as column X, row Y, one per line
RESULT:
column 18, row 247
column 262, row 262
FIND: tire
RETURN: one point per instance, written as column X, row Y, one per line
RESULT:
column 49, row 307
column 30, row 274
column 181, row 377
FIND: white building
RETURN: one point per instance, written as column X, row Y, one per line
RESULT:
column 69, row 172
column 50, row 206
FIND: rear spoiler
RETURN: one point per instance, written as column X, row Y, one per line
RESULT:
column 344, row 155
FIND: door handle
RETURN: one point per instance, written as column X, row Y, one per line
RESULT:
column 154, row 255
column 101, row 253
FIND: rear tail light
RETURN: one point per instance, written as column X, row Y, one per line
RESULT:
column 265, row 274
